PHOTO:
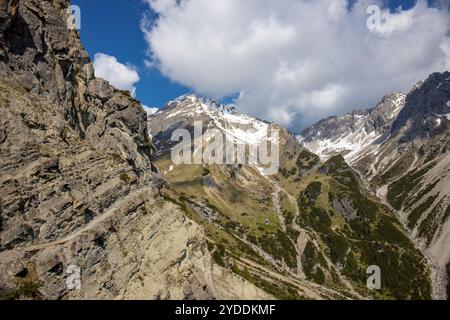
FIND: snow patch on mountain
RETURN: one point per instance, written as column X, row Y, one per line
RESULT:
column 350, row 135
column 244, row 136
column 237, row 127
column 349, row 143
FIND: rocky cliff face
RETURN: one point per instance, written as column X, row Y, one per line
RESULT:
column 426, row 112
column 410, row 170
column 76, row 186
column 60, row 125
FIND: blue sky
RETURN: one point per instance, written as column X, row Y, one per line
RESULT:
column 113, row 28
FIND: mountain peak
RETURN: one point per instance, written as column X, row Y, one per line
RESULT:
column 425, row 107
column 196, row 101
column 188, row 109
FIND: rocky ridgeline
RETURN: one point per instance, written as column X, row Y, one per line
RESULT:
column 352, row 133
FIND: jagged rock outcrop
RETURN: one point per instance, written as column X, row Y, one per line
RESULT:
column 76, row 181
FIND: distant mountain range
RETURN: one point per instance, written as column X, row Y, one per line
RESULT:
column 350, row 134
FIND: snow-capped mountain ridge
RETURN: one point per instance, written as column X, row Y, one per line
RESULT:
column 350, row 134
column 198, row 104
column 401, row 150
column 190, row 108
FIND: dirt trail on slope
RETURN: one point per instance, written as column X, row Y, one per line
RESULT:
column 303, row 238
column 306, row 286
column 114, row 209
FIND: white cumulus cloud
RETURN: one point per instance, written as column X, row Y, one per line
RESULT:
column 295, row 61
column 121, row 76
